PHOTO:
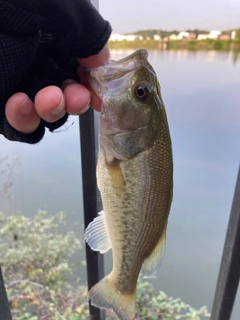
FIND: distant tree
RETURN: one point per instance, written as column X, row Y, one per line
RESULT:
column 7, row 170
column 197, row 31
column 152, row 32
column 237, row 36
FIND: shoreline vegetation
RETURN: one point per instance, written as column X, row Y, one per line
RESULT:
column 42, row 279
column 184, row 44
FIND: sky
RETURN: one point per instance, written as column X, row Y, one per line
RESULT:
column 127, row 16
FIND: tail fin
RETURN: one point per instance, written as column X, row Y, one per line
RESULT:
column 105, row 295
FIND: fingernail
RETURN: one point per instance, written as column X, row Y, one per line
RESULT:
column 60, row 108
column 84, row 109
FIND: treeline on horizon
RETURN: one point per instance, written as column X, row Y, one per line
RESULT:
column 165, row 33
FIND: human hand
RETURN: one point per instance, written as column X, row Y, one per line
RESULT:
column 52, row 103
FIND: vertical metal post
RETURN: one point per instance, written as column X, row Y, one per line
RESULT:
column 229, row 274
column 95, row 268
column 88, row 156
column 4, row 305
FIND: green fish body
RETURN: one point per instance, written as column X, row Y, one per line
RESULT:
column 135, row 179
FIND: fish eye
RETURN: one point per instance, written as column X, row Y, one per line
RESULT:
column 142, row 91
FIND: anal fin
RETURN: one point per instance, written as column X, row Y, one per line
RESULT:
column 152, row 263
column 96, row 234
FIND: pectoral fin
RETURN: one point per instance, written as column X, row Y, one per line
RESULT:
column 152, row 263
column 96, row 234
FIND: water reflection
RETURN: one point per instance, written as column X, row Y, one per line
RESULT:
column 185, row 55
column 235, row 56
column 181, row 55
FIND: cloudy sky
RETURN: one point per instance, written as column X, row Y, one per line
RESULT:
column 132, row 15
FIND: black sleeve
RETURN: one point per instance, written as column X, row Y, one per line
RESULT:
column 39, row 40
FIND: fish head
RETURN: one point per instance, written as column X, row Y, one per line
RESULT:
column 132, row 108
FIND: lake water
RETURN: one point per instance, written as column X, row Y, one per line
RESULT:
column 201, row 91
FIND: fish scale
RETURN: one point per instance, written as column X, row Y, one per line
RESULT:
column 135, row 179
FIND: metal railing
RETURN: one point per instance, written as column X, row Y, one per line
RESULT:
column 5, row 313
column 229, row 273
column 90, row 200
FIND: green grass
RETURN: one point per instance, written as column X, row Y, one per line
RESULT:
column 193, row 45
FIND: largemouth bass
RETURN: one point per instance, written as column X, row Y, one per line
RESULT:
column 135, row 179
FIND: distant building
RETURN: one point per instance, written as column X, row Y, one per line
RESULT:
column 182, row 35
column 172, row 37
column 116, row 37
column 233, row 34
column 225, row 36
column 192, row 36
column 157, row 37
column 120, row 37
column 202, row 36
column 214, row 34
column 130, row 37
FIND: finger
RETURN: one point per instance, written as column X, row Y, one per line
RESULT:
column 96, row 60
column 21, row 114
column 50, row 103
column 102, row 58
column 77, row 97
column 95, row 100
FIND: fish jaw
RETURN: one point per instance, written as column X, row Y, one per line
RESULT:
column 112, row 77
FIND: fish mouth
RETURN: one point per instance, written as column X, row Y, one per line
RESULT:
column 112, row 76
column 117, row 69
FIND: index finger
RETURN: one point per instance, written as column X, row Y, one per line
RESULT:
column 95, row 100
column 96, row 60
